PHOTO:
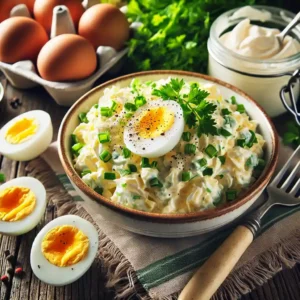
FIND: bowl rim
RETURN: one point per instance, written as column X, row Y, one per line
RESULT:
column 163, row 217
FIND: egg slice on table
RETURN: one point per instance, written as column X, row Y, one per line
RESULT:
column 26, row 136
column 155, row 128
column 64, row 250
column 22, row 205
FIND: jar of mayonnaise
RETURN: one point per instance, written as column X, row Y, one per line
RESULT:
column 249, row 56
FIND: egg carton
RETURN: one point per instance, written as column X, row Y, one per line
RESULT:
column 23, row 74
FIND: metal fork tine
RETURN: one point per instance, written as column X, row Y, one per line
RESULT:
column 295, row 189
column 291, row 176
column 285, row 167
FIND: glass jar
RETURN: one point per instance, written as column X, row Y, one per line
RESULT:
column 261, row 79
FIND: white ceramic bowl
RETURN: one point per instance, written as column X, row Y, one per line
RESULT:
column 168, row 225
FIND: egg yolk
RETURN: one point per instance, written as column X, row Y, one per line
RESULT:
column 21, row 130
column 16, row 203
column 154, row 122
column 65, row 245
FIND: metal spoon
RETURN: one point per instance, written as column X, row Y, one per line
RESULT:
column 288, row 28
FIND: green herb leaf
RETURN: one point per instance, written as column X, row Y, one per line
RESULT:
column 2, row 177
column 82, row 118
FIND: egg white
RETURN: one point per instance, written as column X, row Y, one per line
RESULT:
column 59, row 276
column 162, row 144
column 29, row 222
column 33, row 146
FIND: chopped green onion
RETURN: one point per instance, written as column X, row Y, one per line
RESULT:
column 132, row 168
column 252, row 139
column 124, row 185
column 114, row 105
column 240, row 108
column 261, row 164
column 140, row 101
column 76, row 148
column 186, row 176
column 208, row 190
column 145, row 162
column 189, row 149
column 96, row 106
column 217, row 201
column 2, row 177
column 128, row 115
column 222, row 159
column 233, row 100
column 231, row 195
column 103, row 137
column 186, row 136
column 154, row 182
column 208, row 172
column 230, row 121
column 224, row 132
column 241, row 142
column 211, row 151
column 84, row 172
column 252, row 161
column 109, row 175
column 126, row 152
column 154, row 164
column 225, row 111
column 135, row 197
column 74, row 139
column 124, row 172
column 98, row 190
column 202, row 162
column 130, row 106
column 105, row 156
column 82, row 117
column 105, row 111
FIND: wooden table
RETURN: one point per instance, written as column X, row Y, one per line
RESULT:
column 284, row 286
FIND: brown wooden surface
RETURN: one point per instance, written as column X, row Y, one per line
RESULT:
column 284, row 286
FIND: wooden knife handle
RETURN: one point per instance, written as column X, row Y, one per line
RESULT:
column 214, row 271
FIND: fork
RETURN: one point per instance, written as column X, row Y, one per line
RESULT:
column 214, row 271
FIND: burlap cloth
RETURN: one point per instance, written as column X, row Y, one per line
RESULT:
column 152, row 268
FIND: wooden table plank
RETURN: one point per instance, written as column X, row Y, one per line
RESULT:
column 284, row 286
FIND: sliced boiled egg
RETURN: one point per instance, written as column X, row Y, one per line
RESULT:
column 64, row 250
column 155, row 128
column 26, row 136
column 22, row 205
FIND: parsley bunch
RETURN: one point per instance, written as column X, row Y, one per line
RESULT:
column 174, row 33
column 197, row 111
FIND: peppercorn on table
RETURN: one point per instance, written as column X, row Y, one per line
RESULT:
column 23, row 284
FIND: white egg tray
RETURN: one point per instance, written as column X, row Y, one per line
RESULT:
column 23, row 74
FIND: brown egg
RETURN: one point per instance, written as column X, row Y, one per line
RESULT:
column 43, row 11
column 104, row 25
column 21, row 38
column 67, row 57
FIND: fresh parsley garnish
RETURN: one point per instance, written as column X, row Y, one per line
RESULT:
column 293, row 133
column 197, row 111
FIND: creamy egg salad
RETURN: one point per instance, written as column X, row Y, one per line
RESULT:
column 168, row 146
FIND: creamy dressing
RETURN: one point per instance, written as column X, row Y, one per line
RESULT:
column 258, row 42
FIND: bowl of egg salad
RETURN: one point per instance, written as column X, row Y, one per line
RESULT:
column 168, row 153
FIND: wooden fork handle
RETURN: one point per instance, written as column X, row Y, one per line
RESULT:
column 213, row 272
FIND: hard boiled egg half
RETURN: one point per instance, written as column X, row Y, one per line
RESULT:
column 155, row 128
column 64, row 250
column 26, row 136
column 22, row 205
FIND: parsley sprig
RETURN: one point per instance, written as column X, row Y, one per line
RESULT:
column 197, row 111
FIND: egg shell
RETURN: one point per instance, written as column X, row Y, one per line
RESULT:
column 67, row 57
column 60, row 276
column 29, row 222
column 43, row 11
column 104, row 25
column 34, row 146
column 21, row 38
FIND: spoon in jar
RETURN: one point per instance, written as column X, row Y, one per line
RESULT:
column 288, row 28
